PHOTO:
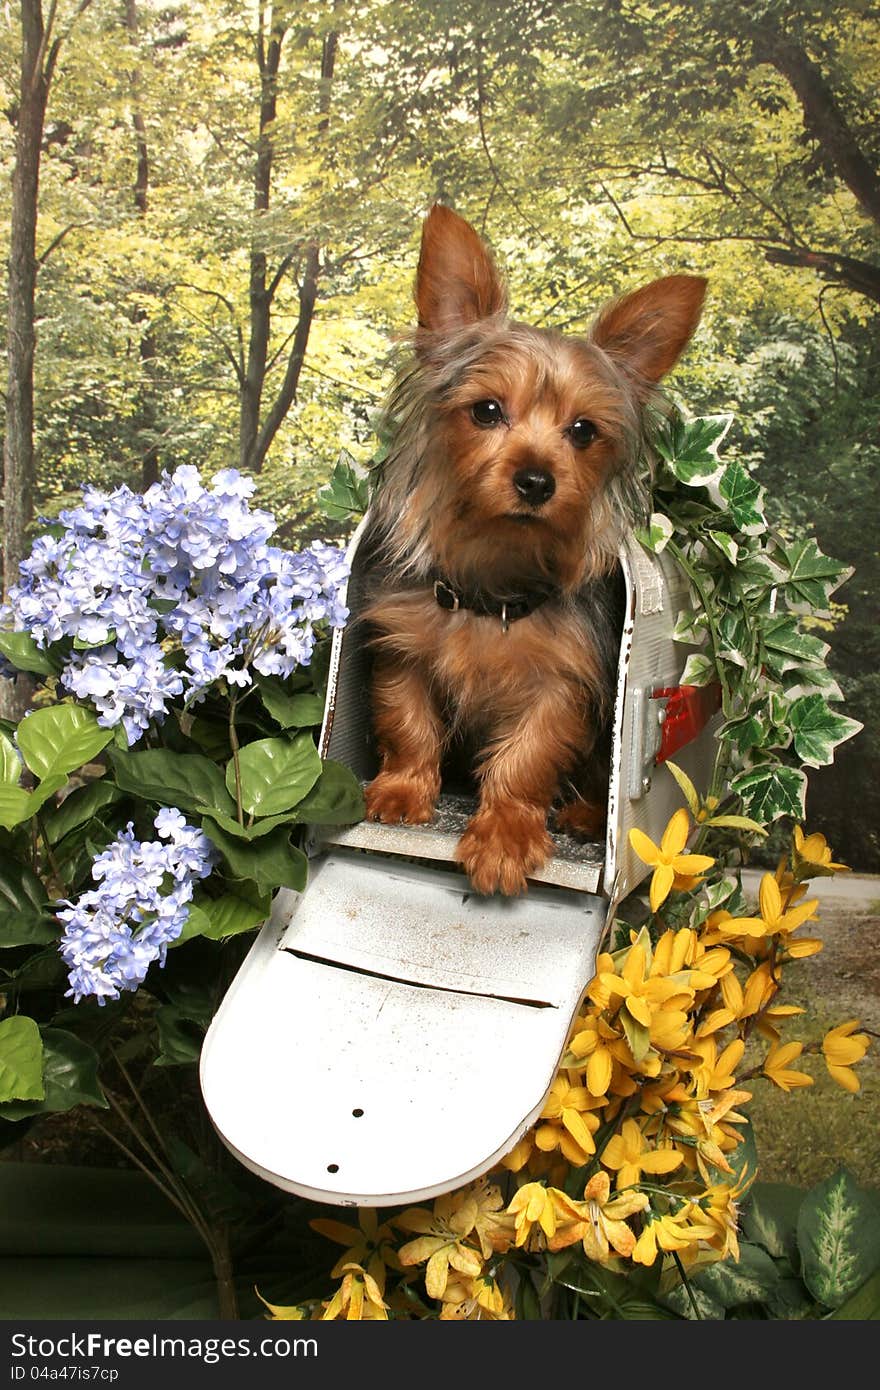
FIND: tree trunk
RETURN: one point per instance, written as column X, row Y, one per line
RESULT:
column 823, row 118
column 255, row 438
column 147, row 342
column 37, row 64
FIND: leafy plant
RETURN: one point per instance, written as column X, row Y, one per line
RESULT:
column 757, row 597
column 151, row 800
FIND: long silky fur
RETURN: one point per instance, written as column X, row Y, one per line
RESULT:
column 429, row 367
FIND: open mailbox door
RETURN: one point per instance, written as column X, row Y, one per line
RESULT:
column 392, row 1034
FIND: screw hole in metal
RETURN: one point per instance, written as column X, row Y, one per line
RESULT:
column 357, row 1113
column 332, row 1167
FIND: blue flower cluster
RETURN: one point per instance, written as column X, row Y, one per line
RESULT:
column 184, row 569
column 114, row 932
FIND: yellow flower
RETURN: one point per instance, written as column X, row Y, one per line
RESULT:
column 520, row 1154
column 653, row 1003
column 718, row 1206
column 668, row 1232
column 567, row 1125
column 600, row 1044
column 774, row 918
column 441, row 1239
column 776, row 1066
column 811, row 855
column 474, row 1300
column 603, row 1218
column 714, row 1072
column 668, row 858
column 358, row 1299
column 631, row 1155
column 534, row 1204
column 371, row 1246
column 843, row 1047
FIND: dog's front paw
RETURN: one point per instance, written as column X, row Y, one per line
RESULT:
column 585, row 820
column 501, row 846
column 395, row 797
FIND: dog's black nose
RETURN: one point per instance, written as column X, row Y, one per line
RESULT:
column 534, row 485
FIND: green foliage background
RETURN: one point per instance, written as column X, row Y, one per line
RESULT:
column 597, row 146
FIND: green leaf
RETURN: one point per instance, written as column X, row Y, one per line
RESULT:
column 698, row 670
column 10, row 762
column 347, row 494
column 23, row 905
column 229, row 915
column 812, row 577
column 838, row 1233
column 275, row 773
column 658, row 532
column 21, row 1060
column 862, row 1306
column 79, row 807
column 180, row 1037
column 770, row 791
column 292, row 711
column 70, row 1076
column 818, row 730
column 22, row 652
column 637, row 1034
column 60, row 739
column 769, row 1217
column 271, row 862
column 744, row 733
column 257, row 829
column 786, row 646
column 690, row 447
column 726, row 544
column 15, row 806
column 688, row 790
column 750, row 1279
column 185, row 780
column 737, row 823
column 337, row 798
column 743, row 496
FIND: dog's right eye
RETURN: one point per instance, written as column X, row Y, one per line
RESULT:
column 487, row 414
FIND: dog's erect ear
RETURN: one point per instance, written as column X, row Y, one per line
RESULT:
column 456, row 282
column 650, row 328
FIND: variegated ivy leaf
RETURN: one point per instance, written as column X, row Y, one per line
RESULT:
column 771, row 790
column 655, row 535
column 817, row 729
column 733, row 638
column 787, row 646
column 810, row 680
column 347, row 494
column 812, row 577
column 690, row 627
column 698, row 670
column 716, row 894
column 756, row 571
column 743, row 497
column 726, row 544
column 838, row 1235
column 743, row 734
column 690, row 447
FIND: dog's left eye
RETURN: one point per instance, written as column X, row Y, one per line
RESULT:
column 487, row 413
column 582, row 433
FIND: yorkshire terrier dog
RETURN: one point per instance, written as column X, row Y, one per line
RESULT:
column 512, row 476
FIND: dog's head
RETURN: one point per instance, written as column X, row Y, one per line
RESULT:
column 516, row 448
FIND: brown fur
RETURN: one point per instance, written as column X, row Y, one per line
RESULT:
column 538, row 693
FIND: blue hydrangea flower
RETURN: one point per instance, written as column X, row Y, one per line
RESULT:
column 114, row 932
column 182, row 571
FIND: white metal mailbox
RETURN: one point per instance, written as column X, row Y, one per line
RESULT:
column 392, row 1034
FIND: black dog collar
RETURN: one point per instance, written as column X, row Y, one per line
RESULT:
column 508, row 609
